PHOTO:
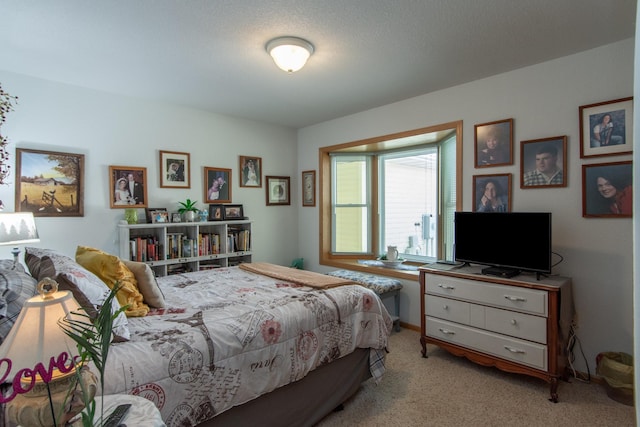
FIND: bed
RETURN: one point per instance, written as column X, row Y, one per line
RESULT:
column 243, row 346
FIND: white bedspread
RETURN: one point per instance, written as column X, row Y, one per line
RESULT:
column 229, row 336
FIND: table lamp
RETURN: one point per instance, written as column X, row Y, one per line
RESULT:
column 17, row 227
column 38, row 344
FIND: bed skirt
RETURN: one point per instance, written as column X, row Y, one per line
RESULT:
column 302, row 403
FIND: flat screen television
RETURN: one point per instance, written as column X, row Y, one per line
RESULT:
column 507, row 242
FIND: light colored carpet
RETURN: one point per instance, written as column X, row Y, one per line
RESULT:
column 445, row 390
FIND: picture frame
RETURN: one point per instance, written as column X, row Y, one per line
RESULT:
column 494, row 143
column 60, row 194
column 216, row 212
column 492, row 193
column 149, row 213
column 607, row 190
column 217, row 185
column 176, row 217
column 543, row 162
column 233, row 212
column 161, row 216
column 309, row 188
column 617, row 118
column 175, row 169
column 278, row 190
column 127, row 195
column 250, row 171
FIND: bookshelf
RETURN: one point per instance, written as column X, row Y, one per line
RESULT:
column 171, row 248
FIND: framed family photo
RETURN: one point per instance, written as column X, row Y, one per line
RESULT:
column 543, row 162
column 217, row 185
column 494, row 143
column 607, row 190
column 128, row 187
column 250, row 171
column 606, row 128
column 492, row 193
column 150, row 211
column 308, row 188
column 216, row 212
column 160, row 216
column 174, row 170
column 49, row 183
column 278, row 190
column 233, row 212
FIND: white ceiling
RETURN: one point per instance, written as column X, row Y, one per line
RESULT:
column 210, row 54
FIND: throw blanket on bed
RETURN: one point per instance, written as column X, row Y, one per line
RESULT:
column 301, row 277
column 229, row 335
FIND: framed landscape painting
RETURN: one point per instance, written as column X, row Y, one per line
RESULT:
column 174, row 170
column 50, row 183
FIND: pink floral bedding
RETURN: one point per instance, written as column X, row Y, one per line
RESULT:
column 228, row 336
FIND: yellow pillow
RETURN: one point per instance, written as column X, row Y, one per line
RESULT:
column 110, row 270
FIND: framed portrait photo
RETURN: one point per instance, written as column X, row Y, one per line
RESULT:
column 149, row 213
column 217, row 185
column 543, row 162
column 127, row 187
column 308, row 188
column 494, row 143
column 492, row 193
column 159, row 216
column 174, row 170
column 607, row 190
column 49, row 183
column 233, row 212
column 250, row 171
column 216, row 212
column 606, row 128
column 278, row 190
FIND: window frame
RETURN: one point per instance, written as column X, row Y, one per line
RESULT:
column 372, row 145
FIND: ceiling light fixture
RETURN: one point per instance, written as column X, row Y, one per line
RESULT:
column 289, row 53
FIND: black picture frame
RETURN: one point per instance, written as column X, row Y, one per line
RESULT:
column 233, row 212
column 216, row 212
column 148, row 212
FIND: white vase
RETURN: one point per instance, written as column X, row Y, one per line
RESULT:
column 189, row 216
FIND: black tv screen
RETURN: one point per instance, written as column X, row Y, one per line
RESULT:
column 515, row 240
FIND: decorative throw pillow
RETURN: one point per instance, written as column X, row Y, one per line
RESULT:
column 111, row 270
column 147, row 283
column 15, row 288
column 87, row 289
column 33, row 258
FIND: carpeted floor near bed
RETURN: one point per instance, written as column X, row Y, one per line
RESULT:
column 445, row 390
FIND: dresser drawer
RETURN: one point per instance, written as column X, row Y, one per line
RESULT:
column 502, row 296
column 520, row 325
column 512, row 349
column 448, row 309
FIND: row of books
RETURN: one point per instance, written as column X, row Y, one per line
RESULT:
column 177, row 245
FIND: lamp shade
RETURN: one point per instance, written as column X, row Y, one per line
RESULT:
column 290, row 53
column 36, row 336
column 17, row 227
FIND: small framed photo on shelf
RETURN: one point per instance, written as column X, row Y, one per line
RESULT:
column 492, row 193
column 308, row 188
column 159, row 216
column 217, row 185
column 494, row 143
column 607, row 190
column 543, row 162
column 149, row 212
column 233, row 212
column 128, row 186
column 176, row 217
column 606, row 128
column 278, row 190
column 216, row 212
column 250, row 171
column 174, row 170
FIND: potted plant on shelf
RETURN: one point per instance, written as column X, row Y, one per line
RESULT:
column 188, row 210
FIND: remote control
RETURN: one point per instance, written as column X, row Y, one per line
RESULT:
column 117, row 415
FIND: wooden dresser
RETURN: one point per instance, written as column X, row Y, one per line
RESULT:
column 517, row 324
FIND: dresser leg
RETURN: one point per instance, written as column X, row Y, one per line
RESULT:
column 424, row 347
column 554, row 390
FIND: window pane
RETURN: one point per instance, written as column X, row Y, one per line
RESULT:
column 448, row 162
column 410, row 202
column 351, row 175
column 351, row 207
column 351, row 229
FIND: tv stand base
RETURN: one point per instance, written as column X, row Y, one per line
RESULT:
column 501, row 272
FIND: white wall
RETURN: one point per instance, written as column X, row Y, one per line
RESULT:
column 543, row 100
column 116, row 130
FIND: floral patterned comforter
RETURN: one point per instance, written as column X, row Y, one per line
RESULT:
column 228, row 336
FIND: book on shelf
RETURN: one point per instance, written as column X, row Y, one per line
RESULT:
column 144, row 248
column 239, row 239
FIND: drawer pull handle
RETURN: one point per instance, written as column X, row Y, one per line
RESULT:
column 449, row 287
column 515, row 299
column 445, row 307
column 446, row 331
column 514, row 322
column 514, row 350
